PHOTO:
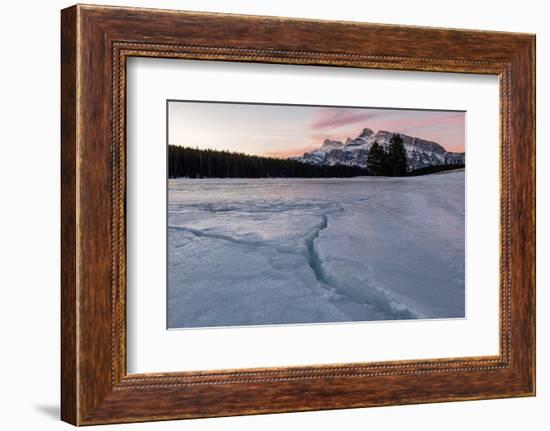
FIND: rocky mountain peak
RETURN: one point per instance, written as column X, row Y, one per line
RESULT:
column 354, row 152
column 332, row 143
column 366, row 133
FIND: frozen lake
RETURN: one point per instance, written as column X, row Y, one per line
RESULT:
column 286, row 251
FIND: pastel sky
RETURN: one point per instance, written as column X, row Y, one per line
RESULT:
column 289, row 130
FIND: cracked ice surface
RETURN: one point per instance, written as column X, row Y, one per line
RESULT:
column 281, row 251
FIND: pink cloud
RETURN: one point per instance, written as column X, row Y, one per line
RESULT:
column 337, row 117
column 405, row 124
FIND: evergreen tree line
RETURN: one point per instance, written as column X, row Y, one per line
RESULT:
column 195, row 163
column 391, row 163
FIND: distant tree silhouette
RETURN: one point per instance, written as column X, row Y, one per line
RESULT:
column 195, row 163
column 434, row 169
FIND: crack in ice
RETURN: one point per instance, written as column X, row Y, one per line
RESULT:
column 312, row 256
column 377, row 298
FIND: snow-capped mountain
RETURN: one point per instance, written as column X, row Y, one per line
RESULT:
column 354, row 152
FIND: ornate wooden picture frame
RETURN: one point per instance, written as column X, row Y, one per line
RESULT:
column 96, row 41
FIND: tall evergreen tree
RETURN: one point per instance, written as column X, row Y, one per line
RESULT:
column 376, row 161
column 397, row 158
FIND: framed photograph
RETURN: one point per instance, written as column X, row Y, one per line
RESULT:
column 263, row 214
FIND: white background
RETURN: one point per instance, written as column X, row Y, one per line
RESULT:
column 151, row 348
column 29, row 228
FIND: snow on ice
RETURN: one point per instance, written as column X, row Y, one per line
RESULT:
column 286, row 251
